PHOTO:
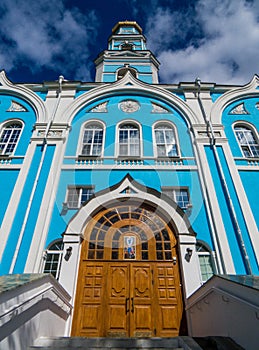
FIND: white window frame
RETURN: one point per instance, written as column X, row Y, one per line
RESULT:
column 173, row 190
column 205, row 253
column 80, row 188
column 118, row 128
column 49, row 252
column 3, row 128
column 81, row 137
column 254, row 133
column 171, row 126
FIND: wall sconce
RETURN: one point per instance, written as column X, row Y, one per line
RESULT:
column 68, row 253
column 188, row 254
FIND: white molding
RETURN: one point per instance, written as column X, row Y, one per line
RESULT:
column 78, row 223
column 15, row 198
column 248, row 90
column 117, row 143
column 21, row 91
column 72, row 237
column 128, row 85
column 174, row 127
column 216, row 214
column 243, row 201
column 34, row 258
column 81, row 134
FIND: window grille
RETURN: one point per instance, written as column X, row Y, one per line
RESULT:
column 166, row 145
column 9, row 137
column 247, row 141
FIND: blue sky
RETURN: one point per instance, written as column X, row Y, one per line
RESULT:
column 217, row 40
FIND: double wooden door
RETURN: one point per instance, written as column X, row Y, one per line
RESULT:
column 128, row 299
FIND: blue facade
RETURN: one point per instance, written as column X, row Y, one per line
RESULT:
column 215, row 164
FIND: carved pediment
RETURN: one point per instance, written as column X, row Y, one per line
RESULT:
column 239, row 109
column 127, row 54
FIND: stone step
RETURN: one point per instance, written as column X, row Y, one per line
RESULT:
column 80, row 343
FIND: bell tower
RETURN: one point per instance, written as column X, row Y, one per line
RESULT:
column 127, row 52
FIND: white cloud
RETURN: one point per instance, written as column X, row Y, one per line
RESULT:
column 227, row 52
column 46, row 35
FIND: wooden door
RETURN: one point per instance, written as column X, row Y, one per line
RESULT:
column 128, row 300
column 128, row 284
column 142, row 313
column 88, row 319
column 168, row 300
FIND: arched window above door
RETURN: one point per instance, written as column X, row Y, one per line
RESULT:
column 248, row 140
column 129, row 233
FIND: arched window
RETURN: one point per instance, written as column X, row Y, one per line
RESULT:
column 122, row 71
column 53, row 256
column 247, row 140
column 127, row 46
column 9, row 137
column 129, row 140
column 205, row 260
column 165, row 138
column 129, row 232
column 92, row 140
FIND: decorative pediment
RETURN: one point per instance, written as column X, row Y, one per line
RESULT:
column 239, row 109
column 100, row 108
column 127, row 190
column 16, row 107
column 128, row 54
column 157, row 108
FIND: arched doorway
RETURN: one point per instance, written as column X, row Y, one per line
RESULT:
column 128, row 282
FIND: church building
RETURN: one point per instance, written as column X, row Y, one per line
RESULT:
column 134, row 195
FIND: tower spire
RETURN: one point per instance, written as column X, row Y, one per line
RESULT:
column 126, row 52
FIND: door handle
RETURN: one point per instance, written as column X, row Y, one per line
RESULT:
column 132, row 305
column 127, row 305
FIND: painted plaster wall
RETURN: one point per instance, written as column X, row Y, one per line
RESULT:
column 7, row 189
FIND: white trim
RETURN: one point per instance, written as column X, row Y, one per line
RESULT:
column 117, row 141
column 15, row 198
column 21, row 91
column 76, row 228
column 243, row 201
column 248, row 126
column 81, row 134
column 174, row 128
column 33, row 262
column 128, row 85
column 236, row 94
column 221, row 235
column 78, row 223
column 3, row 127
